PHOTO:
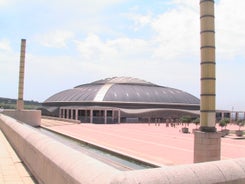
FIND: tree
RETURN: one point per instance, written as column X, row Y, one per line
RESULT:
column 186, row 119
column 196, row 121
column 240, row 123
column 223, row 123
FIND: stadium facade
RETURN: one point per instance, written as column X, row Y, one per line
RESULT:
column 121, row 99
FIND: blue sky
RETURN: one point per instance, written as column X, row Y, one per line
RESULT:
column 71, row 42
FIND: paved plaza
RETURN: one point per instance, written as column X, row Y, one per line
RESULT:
column 153, row 143
column 160, row 145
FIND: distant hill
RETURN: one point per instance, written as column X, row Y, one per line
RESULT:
column 8, row 103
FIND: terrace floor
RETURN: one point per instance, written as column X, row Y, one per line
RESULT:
column 157, row 144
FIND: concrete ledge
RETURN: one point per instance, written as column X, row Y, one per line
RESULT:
column 51, row 162
column 61, row 119
column 30, row 117
column 218, row 172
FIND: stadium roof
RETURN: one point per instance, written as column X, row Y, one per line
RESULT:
column 123, row 90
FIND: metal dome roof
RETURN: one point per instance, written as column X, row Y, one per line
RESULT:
column 123, row 90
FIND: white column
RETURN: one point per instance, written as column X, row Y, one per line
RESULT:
column 119, row 116
column 222, row 115
column 76, row 114
column 71, row 113
column 105, row 116
column 91, row 115
column 60, row 113
column 113, row 115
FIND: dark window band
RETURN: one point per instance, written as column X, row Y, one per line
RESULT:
column 207, row 110
column 208, row 62
column 208, row 46
column 208, row 78
column 207, row 31
column 207, row 129
column 208, row 94
column 207, row 15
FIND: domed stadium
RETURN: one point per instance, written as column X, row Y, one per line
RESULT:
column 119, row 100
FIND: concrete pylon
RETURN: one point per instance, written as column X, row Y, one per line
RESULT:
column 207, row 66
column 31, row 117
column 207, row 141
column 20, row 101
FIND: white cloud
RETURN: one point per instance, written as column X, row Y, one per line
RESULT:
column 177, row 33
column 92, row 3
column 175, row 36
column 93, row 48
column 9, row 65
column 4, row 2
column 140, row 20
column 5, row 45
column 119, row 49
column 230, row 26
column 56, row 39
column 79, row 6
column 193, row 4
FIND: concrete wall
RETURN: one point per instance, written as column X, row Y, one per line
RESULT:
column 30, row 117
column 51, row 162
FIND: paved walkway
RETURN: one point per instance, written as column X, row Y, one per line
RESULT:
column 12, row 170
column 158, row 144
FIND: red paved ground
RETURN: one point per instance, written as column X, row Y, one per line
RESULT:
column 157, row 144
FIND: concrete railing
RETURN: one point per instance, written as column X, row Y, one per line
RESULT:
column 52, row 162
column 30, row 117
column 61, row 119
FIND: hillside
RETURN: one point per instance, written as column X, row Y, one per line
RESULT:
column 8, row 103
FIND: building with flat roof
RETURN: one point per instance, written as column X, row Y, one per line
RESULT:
column 121, row 99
